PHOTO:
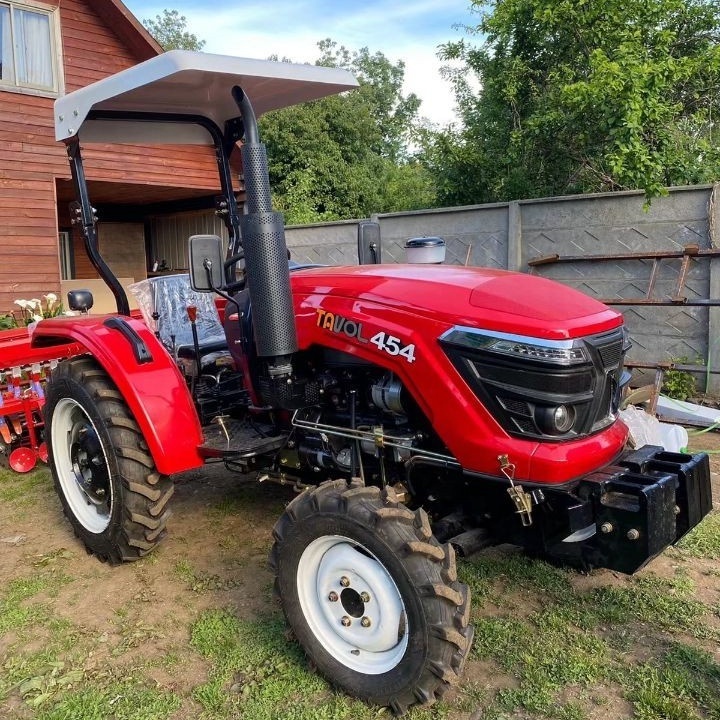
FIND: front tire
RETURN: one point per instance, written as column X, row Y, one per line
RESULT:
column 371, row 595
column 104, row 475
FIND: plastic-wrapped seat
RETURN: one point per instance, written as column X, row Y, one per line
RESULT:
column 164, row 301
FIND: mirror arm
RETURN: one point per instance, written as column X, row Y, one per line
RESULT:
column 207, row 264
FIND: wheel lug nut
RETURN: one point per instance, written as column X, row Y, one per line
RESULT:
column 365, row 597
column 365, row 622
column 344, row 581
column 346, row 621
column 333, row 597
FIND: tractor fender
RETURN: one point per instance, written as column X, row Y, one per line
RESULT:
column 146, row 376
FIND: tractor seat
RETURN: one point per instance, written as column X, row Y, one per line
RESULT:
column 187, row 352
column 164, row 301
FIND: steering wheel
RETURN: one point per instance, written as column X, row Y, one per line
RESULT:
column 238, row 284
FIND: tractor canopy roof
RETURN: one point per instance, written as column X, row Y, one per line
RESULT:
column 180, row 82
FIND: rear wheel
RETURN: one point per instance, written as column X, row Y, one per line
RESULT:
column 371, row 595
column 105, row 477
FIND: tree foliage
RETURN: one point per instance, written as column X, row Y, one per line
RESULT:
column 170, row 30
column 582, row 96
column 345, row 156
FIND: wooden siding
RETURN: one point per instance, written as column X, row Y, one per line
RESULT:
column 31, row 159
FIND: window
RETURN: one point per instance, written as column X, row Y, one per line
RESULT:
column 28, row 48
column 67, row 266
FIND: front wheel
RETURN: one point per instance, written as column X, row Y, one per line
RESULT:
column 110, row 491
column 371, row 595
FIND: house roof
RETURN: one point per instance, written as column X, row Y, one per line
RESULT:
column 128, row 28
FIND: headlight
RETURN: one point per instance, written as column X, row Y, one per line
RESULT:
column 557, row 420
column 557, row 352
column 538, row 388
column 548, row 353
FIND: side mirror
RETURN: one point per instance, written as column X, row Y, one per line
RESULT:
column 368, row 242
column 80, row 300
column 206, row 263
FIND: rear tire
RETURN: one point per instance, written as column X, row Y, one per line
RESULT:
column 371, row 595
column 109, row 488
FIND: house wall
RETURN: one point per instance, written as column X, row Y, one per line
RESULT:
column 31, row 159
column 119, row 243
column 170, row 234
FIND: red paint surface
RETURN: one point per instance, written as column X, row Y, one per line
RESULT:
column 155, row 392
column 417, row 304
column 414, row 303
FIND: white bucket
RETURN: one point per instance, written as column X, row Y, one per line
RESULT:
column 425, row 250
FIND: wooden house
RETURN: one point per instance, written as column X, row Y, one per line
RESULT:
column 148, row 199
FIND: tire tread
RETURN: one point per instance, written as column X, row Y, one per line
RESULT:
column 432, row 570
column 144, row 492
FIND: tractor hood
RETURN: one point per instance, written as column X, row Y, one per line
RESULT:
column 477, row 297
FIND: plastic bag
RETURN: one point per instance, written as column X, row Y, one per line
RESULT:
column 646, row 429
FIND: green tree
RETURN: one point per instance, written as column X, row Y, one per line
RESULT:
column 582, row 96
column 170, row 30
column 346, row 156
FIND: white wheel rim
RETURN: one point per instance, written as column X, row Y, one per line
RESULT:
column 91, row 511
column 352, row 605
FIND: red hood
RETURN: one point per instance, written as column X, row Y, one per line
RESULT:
column 479, row 297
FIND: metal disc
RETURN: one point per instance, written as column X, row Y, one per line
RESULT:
column 22, row 460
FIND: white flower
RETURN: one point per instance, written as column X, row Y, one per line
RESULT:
column 36, row 317
column 34, row 304
column 51, row 298
column 22, row 303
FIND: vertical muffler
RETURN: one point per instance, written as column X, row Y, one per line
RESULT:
column 266, row 266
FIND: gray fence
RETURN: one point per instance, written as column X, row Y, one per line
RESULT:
column 508, row 235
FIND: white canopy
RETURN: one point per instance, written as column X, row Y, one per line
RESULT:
column 194, row 83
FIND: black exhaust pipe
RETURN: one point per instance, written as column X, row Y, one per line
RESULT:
column 266, row 263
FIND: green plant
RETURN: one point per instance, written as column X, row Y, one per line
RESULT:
column 8, row 321
column 679, row 384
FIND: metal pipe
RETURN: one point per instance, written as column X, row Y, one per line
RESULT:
column 688, row 250
column 87, row 220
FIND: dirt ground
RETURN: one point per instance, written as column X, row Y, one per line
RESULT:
column 215, row 555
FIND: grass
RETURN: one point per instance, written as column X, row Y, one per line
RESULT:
column 15, row 613
column 202, row 582
column 682, row 683
column 256, row 673
column 564, row 641
column 703, row 541
column 22, row 489
column 549, row 643
column 119, row 700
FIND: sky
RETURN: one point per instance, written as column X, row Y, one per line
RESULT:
column 408, row 30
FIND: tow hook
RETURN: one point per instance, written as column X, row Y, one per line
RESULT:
column 520, row 499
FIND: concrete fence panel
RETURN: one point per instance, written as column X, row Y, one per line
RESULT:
column 509, row 235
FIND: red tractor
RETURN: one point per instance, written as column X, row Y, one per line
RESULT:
column 419, row 409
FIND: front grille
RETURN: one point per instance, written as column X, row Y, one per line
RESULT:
column 611, row 354
column 542, row 380
column 516, row 407
column 522, row 393
column 525, row 425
